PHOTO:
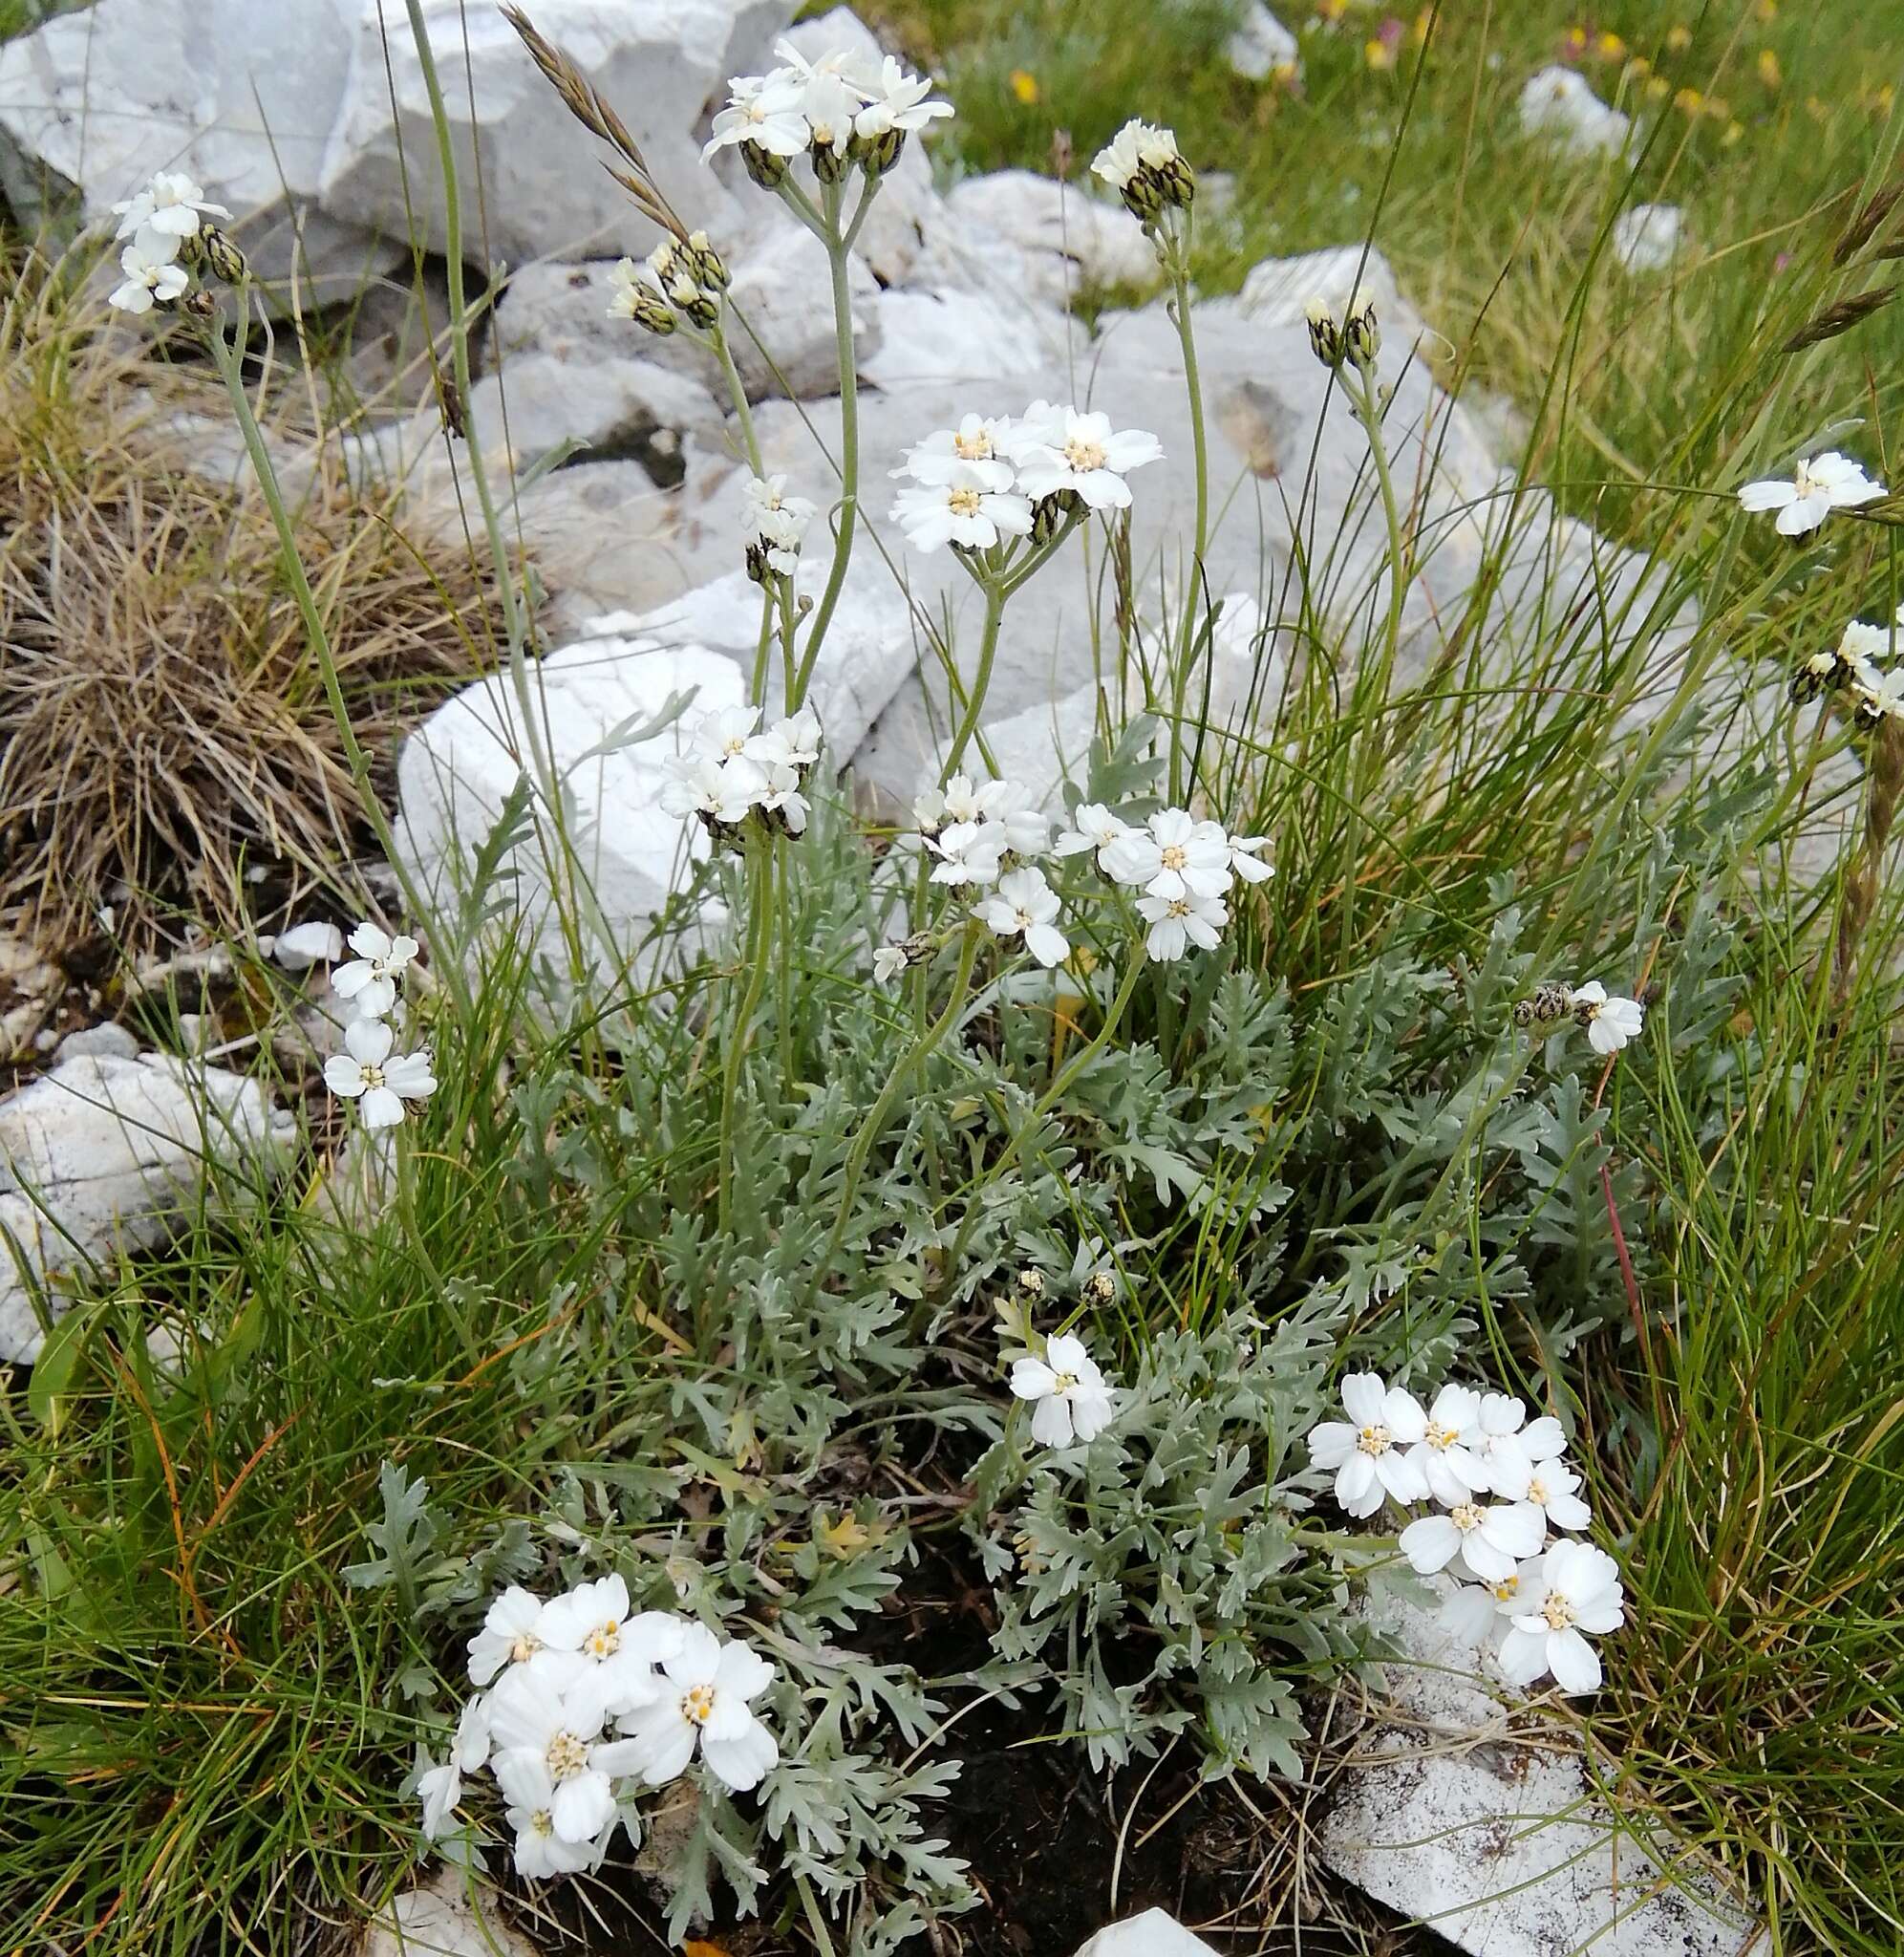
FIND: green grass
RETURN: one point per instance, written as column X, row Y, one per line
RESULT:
column 209, row 1725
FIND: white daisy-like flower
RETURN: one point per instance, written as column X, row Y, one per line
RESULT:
column 764, row 110
column 1815, row 489
column 549, row 1747
column 540, row 1849
column 1878, row 696
column 1610, row 1022
column 698, row 785
column 1082, row 453
column 889, row 960
column 630, row 294
column 1071, row 1401
column 1135, row 144
column 1548, row 1486
column 1026, row 905
column 1453, row 1472
column 1369, row 1452
column 511, row 1634
column 779, row 794
column 440, row 1788
column 594, row 1619
column 831, row 105
column 791, row 743
column 968, row 853
column 1503, row 1439
column 1095, row 827
column 367, row 1073
column 171, row 206
column 1246, row 863
column 776, row 523
column 838, row 64
column 1008, row 804
column 725, row 732
column 150, row 276
column 1175, row 855
column 1577, row 1595
column 971, row 449
column 704, row 1698
column 898, row 99
column 1478, row 1613
column 1489, row 1539
column 370, row 980
column 1176, row 923
column 964, row 509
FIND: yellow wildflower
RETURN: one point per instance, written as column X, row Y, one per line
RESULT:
column 1024, row 85
column 1769, row 71
column 1379, row 55
column 1610, row 48
column 1678, row 39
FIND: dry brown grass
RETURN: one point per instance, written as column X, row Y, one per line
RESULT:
column 162, row 726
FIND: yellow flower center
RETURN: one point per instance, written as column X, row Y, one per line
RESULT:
column 1180, row 906
column 567, row 1756
column 1172, row 856
column 964, row 501
column 1440, row 1438
column 973, row 448
column 372, row 1076
column 697, row 1704
column 542, row 1822
column 1083, row 455
column 1063, row 1382
column 523, row 1647
column 604, row 1640
column 1558, row 1611
column 1537, row 1493
column 1466, row 1516
column 1508, row 1587
column 1373, row 1439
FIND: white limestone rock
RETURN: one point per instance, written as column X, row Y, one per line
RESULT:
column 1260, row 44
column 947, row 336
column 1480, row 1819
column 107, row 1152
column 1560, row 103
column 1153, row 1933
column 451, row 1915
column 241, row 97
column 660, row 62
column 305, row 945
column 1048, row 239
column 617, row 408
column 109, row 1037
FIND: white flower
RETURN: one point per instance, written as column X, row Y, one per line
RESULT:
column 1246, row 863
column 776, row 523
column 1453, row 1472
column 1368, row 1451
column 971, row 448
column 1026, row 903
column 829, row 105
column 1478, row 1613
column 968, row 852
column 889, row 960
column 1577, row 1594
column 1072, row 1401
column 367, row 1073
column 541, row 1851
column 764, row 110
column 792, row 743
column 1817, row 488
column 964, row 509
column 1503, row 1440
column 1006, row 803
column 370, row 978
column 440, row 1788
column 705, row 1698
column 1489, row 1540
column 1175, row 856
column 630, row 294
column 150, row 277
column 171, row 206
column 1647, row 237
column 780, row 795
column 1093, row 828
column 1556, row 101
column 1083, row 452
column 699, row 785
column 898, row 99
column 725, row 732
column 1610, row 1023
column 593, row 1620
column 839, row 64
column 549, row 1749
column 511, row 1634
column 1548, row 1486
column 1137, row 143
column 1176, row 923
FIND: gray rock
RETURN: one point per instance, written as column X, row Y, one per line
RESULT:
column 110, row 1038
column 444, row 1918
column 1153, row 1933
column 621, row 408
column 106, row 1151
column 1486, row 1823
column 1047, row 239
column 242, row 98
column 660, row 62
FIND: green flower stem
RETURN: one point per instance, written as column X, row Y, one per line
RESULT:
column 744, row 413
column 988, row 650
column 838, row 256
column 758, row 694
column 1200, row 450
column 1368, row 410
column 759, row 945
column 908, row 1064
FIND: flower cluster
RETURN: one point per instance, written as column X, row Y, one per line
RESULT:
column 976, row 484
column 1180, row 866
column 167, row 225
column 561, row 1675
column 1813, row 491
column 1354, row 337
column 1505, row 1499
column 684, row 279
column 1611, row 1021
column 730, row 771
column 1141, row 163
column 776, row 527
column 366, row 1071
column 1852, row 667
column 835, row 110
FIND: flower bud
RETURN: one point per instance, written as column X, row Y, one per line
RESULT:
column 1325, row 332
column 766, row 169
column 830, row 165
column 1177, row 183
column 1360, row 334
column 1100, row 1288
column 1144, row 196
column 708, row 270
column 198, row 302
column 1550, row 1001
column 222, row 256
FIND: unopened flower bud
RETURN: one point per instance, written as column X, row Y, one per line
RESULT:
column 1031, row 1282
column 1325, row 332
column 1144, row 196
column 766, row 169
column 830, row 165
column 199, row 303
column 708, row 267
column 223, row 255
column 1100, row 1288
column 1549, row 1002
column 1360, row 334
column 1177, row 183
